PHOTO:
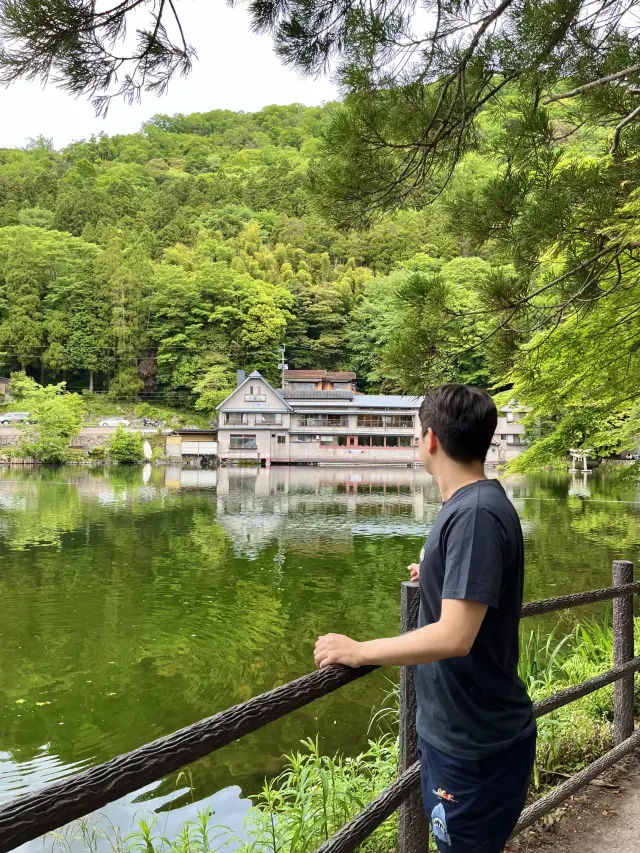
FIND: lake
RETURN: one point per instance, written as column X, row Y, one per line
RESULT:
column 136, row 601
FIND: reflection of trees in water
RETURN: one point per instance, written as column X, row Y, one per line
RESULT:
column 135, row 616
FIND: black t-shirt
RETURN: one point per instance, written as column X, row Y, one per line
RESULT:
column 475, row 706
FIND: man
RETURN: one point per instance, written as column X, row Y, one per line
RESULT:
column 477, row 733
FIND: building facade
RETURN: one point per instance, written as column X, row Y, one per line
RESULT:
column 299, row 424
column 318, row 425
column 508, row 442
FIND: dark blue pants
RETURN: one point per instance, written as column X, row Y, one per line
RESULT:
column 474, row 805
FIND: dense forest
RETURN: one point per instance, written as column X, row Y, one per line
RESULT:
column 155, row 264
column 160, row 262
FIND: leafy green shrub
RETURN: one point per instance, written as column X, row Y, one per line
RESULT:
column 55, row 419
column 98, row 453
column 126, row 447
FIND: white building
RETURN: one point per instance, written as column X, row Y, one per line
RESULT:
column 306, row 425
column 508, row 442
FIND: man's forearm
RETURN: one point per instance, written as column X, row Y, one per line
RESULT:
column 425, row 645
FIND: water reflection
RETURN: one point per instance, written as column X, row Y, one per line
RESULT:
column 138, row 600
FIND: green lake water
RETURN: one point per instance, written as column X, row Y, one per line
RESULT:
column 136, row 601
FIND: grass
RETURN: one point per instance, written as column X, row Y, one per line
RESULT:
column 317, row 794
column 99, row 406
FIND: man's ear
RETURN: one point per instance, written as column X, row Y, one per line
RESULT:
column 431, row 441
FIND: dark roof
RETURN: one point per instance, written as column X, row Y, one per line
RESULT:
column 192, row 430
column 292, row 394
column 331, row 375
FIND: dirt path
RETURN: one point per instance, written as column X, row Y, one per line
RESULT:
column 604, row 818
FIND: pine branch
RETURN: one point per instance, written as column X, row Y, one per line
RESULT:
column 619, row 75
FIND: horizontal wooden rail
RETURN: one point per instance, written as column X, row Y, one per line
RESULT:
column 32, row 815
column 550, row 605
column 577, row 691
column 552, row 800
column 352, row 834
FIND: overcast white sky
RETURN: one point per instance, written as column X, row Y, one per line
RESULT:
column 235, row 70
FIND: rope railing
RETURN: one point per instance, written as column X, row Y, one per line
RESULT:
column 32, row 815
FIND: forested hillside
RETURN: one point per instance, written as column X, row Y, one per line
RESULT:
column 162, row 261
column 158, row 263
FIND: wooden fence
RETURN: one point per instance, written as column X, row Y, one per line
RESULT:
column 29, row 816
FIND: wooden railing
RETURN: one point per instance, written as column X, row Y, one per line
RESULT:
column 29, row 816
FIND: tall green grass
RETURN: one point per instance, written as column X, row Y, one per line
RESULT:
column 317, row 794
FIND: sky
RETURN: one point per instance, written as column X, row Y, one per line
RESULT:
column 235, row 70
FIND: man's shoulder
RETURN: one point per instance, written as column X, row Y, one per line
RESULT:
column 485, row 496
column 485, row 505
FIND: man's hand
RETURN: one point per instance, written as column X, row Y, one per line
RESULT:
column 336, row 648
column 414, row 570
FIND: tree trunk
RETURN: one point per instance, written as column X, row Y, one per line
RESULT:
column 91, row 381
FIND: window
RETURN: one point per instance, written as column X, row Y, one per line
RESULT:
column 301, row 386
column 304, row 438
column 399, row 421
column 377, row 441
column 235, row 418
column 323, row 420
column 327, row 440
column 341, row 441
column 503, row 437
column 513, row 439
column 242, row 442
column 511, row 417
column 370, row 421
column 405, row 441
column 255, row 395
column 268, row 418
column 364, row 441
column 282, row 439
column 392, row 441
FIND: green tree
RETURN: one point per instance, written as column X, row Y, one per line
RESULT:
column 21, row 329
column 55, row 418
column 215, row 385
column 126, row 447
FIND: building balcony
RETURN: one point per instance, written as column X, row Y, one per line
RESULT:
column 352, row 430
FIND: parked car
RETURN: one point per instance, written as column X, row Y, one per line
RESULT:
column 115, row 422
column 7, row 418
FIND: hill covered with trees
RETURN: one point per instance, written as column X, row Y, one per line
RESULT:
column 158, row 263
column 162, row 261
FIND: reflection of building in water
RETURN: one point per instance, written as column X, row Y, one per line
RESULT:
column 190, row 478
column 294, row 505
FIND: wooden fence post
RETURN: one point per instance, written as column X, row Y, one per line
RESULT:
column 413, row 829
column 623, row 648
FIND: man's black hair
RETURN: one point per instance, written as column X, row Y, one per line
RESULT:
column 463, row 418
